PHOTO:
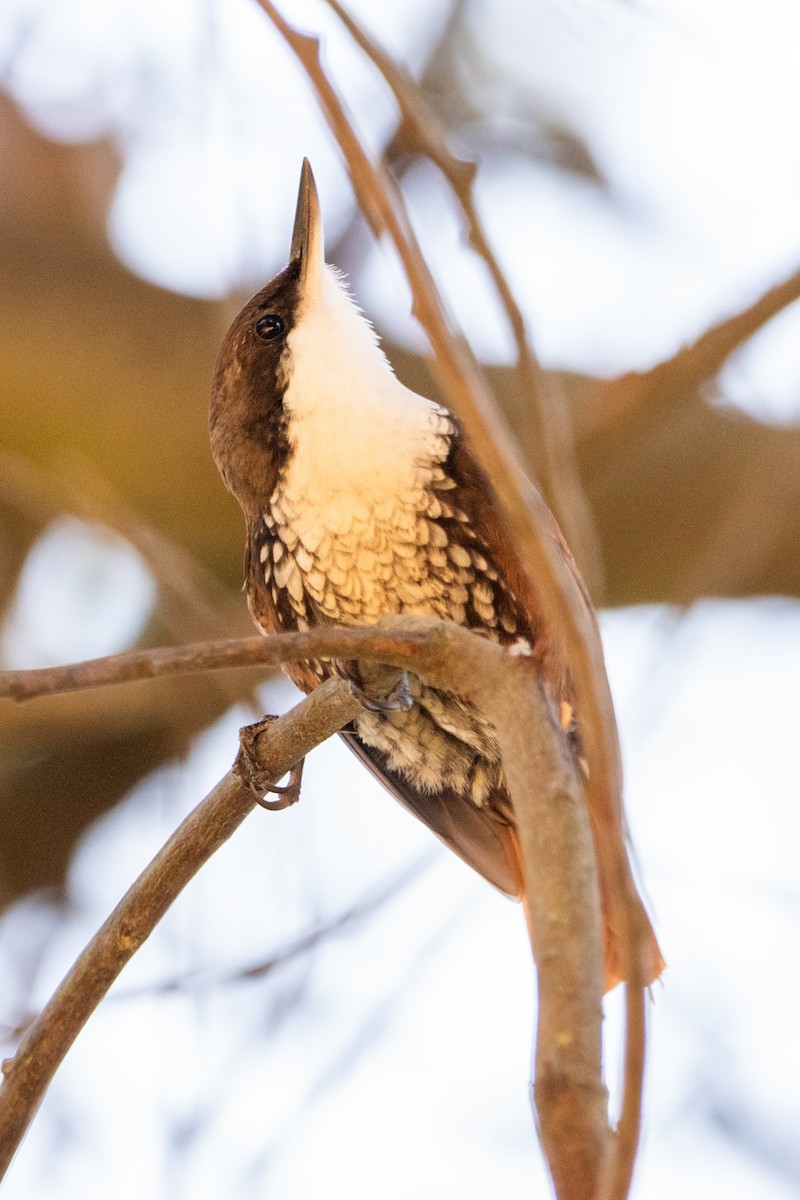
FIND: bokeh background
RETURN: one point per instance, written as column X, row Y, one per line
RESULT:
column 336, row 1007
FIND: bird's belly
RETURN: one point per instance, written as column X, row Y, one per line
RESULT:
column 442, row 742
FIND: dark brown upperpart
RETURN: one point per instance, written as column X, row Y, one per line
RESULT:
column 247, row 423
column 475, row 498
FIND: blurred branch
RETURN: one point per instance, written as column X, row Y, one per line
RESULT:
column 70, row 761
column 79, row 488
column 556, row 846
column 195, row 598
column 545, row 425
column 302, row 945
column 744, row 535
column 692, row 366
column 307, row 942
column 703, row 359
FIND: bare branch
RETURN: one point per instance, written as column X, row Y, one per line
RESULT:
column 692, row 367
column 546, row 424
column 28, row 1074
column 568, row 1091
column 385, row 642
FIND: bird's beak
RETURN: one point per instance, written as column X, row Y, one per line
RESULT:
column 308, row 246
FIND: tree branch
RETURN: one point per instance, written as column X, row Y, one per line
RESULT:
column 28, row 1074
column 568, row 1091
column 556, row 848
column 690, row 368
column 383, row 642
column 546, row 428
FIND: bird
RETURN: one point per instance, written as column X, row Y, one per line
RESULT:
column 363, row 500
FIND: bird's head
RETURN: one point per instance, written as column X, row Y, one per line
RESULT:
column 299, row 343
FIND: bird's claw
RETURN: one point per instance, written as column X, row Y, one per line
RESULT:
column 374, row 699
column 256, row 778
column 397, row 699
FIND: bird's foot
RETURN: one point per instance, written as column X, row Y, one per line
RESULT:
column 258, row 779
column 397, row 699
column 388, row 690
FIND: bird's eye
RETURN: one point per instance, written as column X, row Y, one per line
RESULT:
column 270, row 327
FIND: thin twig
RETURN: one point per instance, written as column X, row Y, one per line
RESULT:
column 385, row 642
column 547, row 433
column 28, row 1074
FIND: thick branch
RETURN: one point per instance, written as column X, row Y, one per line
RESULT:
column 29, row 1072
column 556, row 844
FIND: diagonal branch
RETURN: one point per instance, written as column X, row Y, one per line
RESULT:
column 690, row 368
column 28, row 1074
column 546, row 427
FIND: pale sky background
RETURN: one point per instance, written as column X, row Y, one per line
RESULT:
column 393, row 1061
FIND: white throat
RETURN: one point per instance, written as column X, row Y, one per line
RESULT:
column 354, row 429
